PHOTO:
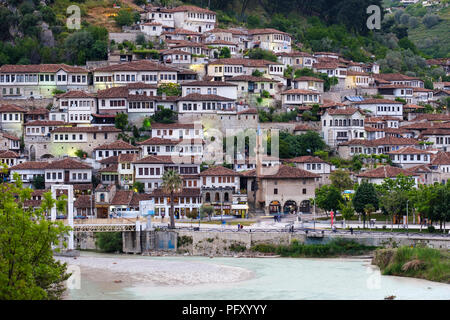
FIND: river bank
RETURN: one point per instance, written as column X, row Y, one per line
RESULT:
column 111, row 276
column 422, row 263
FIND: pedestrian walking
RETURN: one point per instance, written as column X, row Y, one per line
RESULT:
column 351, row 230
column 239, row 226
column 242, row 226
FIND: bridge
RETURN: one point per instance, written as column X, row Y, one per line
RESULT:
column 106, row 225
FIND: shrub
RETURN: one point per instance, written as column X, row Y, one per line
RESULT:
column 109, row 241
column 431, row 229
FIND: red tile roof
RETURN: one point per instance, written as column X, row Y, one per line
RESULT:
column 251, row 78
column 67, row 164
column 99, row 129
column 219, row 171
column 155, row 159
column 300, row 91
column 204, row 97
column 117, row 145
column 50, row 68
column 284, row 172
column 306, row 159
column 208, row 84
column 409, row 150
column 12, row 108
column 385, row 172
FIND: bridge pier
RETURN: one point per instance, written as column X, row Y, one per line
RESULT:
column 144, row 241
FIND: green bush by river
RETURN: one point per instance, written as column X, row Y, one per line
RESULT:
column 424, row 263
column 334, row 248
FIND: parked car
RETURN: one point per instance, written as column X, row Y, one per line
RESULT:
column 80, row 217
column 61, row 217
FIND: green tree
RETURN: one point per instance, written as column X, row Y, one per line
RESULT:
column 258, row 53
column 171, row 183
column 28, row 270
column 257, row 73
column 365, row 194
column 206, row 211
column 38, row 182
column 328, row 198
column 347, row 210
column 121, row 121
column 81, row 154
column 125, row 17
column 224, row 53
column 138, row 187
column 170, row 89
column 164, row 116
column 341, row 180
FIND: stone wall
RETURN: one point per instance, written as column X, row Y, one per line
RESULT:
column 84, row 240
column 27, row 103
column 213, row 243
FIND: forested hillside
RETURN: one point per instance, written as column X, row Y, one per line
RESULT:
column 34, row 31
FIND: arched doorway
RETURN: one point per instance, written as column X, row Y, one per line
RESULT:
column 290, row 206
column 274, row 207
column 208, row 197
column 305, row 206
column 32, row 153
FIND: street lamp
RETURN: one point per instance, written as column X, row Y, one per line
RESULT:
column 407, row 216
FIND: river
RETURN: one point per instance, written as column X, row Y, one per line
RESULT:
column 105, row 276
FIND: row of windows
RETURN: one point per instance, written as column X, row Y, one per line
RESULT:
column 152, row 171
column 190, row 183
column 160, row 200
column 230, row 69
column 202, row 16
column 440, row 140
column 313, row 166
column 19, row 78
column 52, row 176
column 345, row 123
column 114, row 103
column 140, row 105
column 298, row 97
column 113, row 153
column 16, row 117
column 387, row 108
column 11, row 91
column 276, row 69
column 80, row 117
column 62, row 137
column 42, row 77
column 220, row 180
column 76, row 103
column 411, row 157
column 207, row 106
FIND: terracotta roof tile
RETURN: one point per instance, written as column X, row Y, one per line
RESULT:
column 117, row 145
column 385, row 172
column 219, row 171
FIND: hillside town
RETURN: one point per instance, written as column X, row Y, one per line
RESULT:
column 112, row 128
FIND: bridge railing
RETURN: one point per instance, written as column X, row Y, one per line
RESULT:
column 106, row 221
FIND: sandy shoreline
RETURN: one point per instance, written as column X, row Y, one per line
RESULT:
column 155, row 272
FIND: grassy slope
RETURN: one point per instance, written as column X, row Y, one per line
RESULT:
column 424, row 263
column 96, row 12
column 438, row 33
